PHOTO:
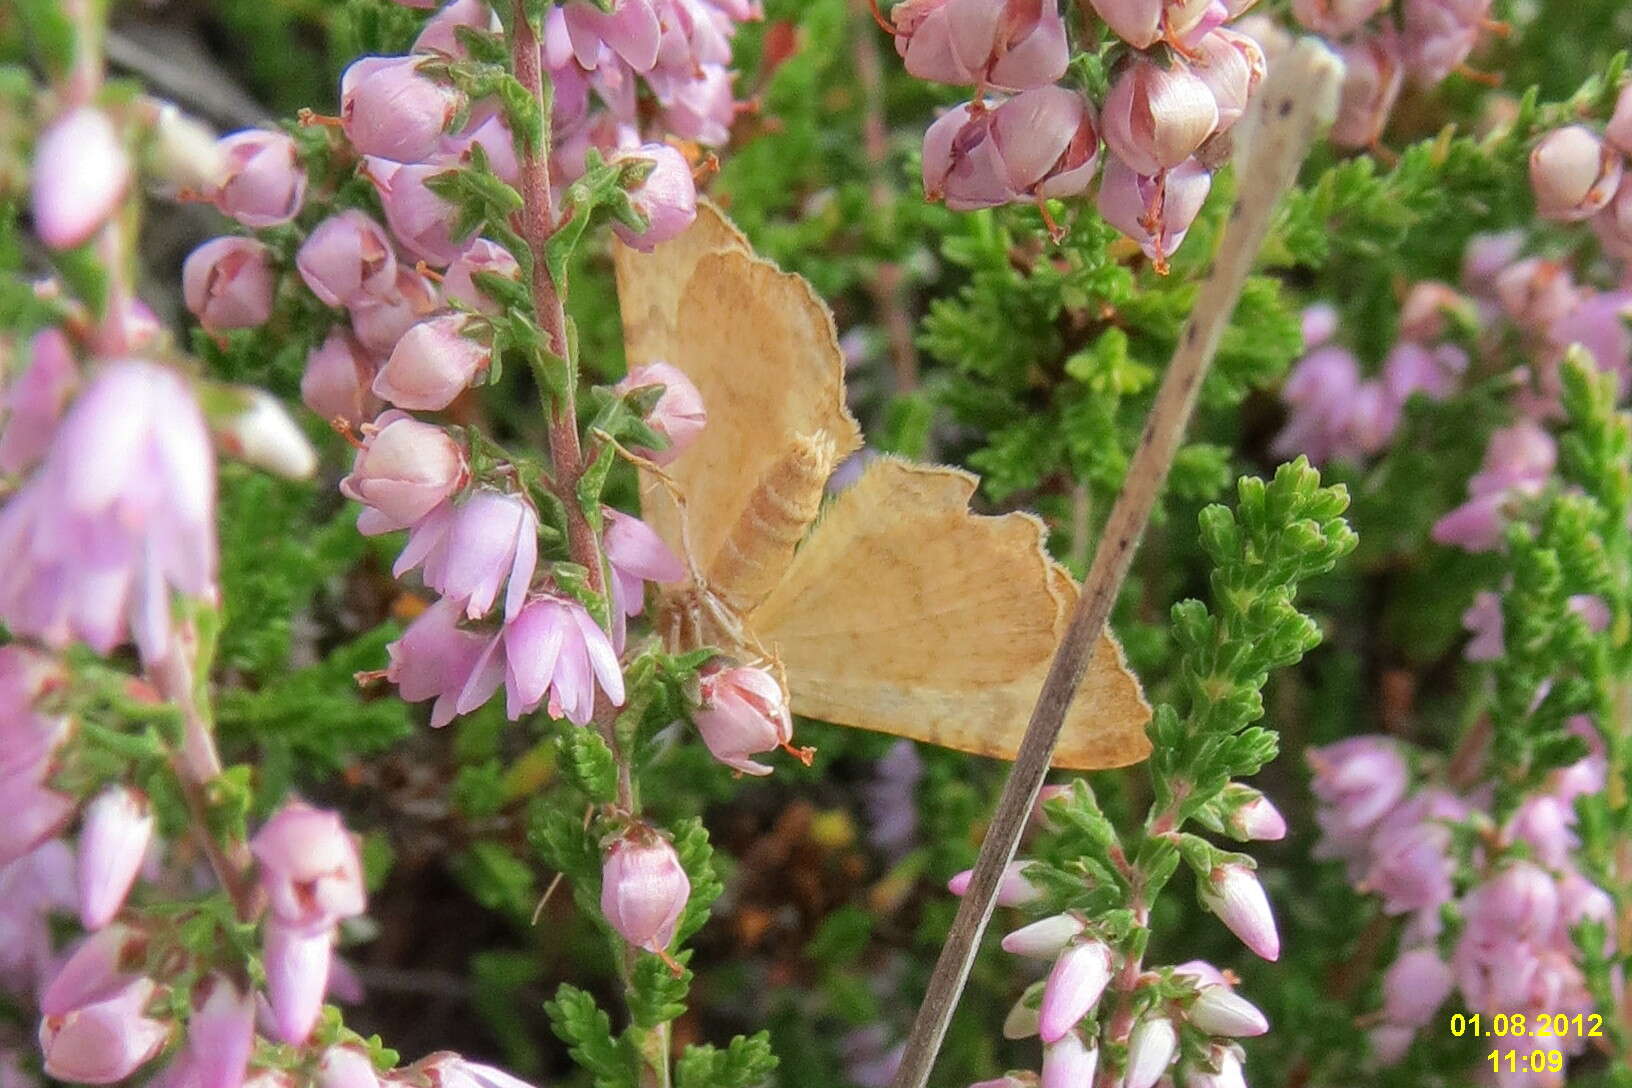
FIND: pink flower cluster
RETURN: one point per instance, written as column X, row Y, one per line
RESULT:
column 1066, row 1008
column 1516, row 891
column 1421, row 41
column 1578, row 172
column 1044, row 141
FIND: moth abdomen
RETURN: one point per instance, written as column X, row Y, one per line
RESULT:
column 755, row 554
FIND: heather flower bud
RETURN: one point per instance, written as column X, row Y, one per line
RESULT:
column 667, row 198
column 403, row 470
column 99, row 969
column 1151, row 1048
column 339, row 378
column 389, row 109
column 1373, row 72
column 346, row 1067
column 261, row 182
column 220, row 1033
column 1069, row 1063
column 1137, row 22
column 297, row 974
column 1335, row 18
column 1218, row 1010
column 1229, row 1075
column 1011, row 45
column 228, row 283
column 1233, row 893
column 1040, row 143
column 105, row 1042
column 1074, row 984
column 1154, row 211
column 459, row 284
column 419, row 219
column 1044, row 939
column 434, row 362
column 34, row 401
column 348, row 260
column 1156, row 116
column 678, row 415
column 644, row 889
column 1231, row 65
column 309, row 867
column 253, row 426
column 1013, row 889
column 1536, row 293
column 1619, row 129
column 743, row 712
column 118, row 826
column 1573, row 173
column 1021, row 1022
column 440, row 33
column 184, row 153
column 81, row 173
column 1251, row 816
column 1415, row 986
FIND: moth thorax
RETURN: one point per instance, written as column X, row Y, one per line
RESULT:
column 753, row 558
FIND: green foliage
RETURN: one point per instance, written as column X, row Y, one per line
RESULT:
column 587, row 1031
column 746, row 1062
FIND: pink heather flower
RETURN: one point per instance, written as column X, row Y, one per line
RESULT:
column 339, row 378
column 105, row 1042
column 1428, row 305
column 1619, row 129
column 1069, row 1063
column 309, row 867
column 493, row 136
column 1544, row 824
column 1414, row 987
column 129, row 328
column 678, row 416
column 1011, row 45
column 1232, row 65
column 439, row 35
column 1321, row 390
column 297, row 974
column 420, row 220
column 1229, row 1074
column 1411, row 368
column 36, row 813
column 1411, row 868
column 1573, row 173
column 644, row 889
column 98, row 969
column 667, row 198
column 221, row 1033
column 434, row 659
column 1041, row 143
column 1390, row 1043
column 1373, row 72
column 1151, row 1049
column 1361, row 779
column 459, row 284
column 637, row 555
column 1201, row 973
column 1535, row 293
column 81, row 173
column 552, row 649
column 699, row 109
column 631, row 30
column 1029, row 1080
column 346, row 1067
column 447, row 1070
column 1319, row 322
column 1253, row 817
column 1219, row 1010
column 228, row 283
column 35, row 400
column 1486, row 257
column 1074, row 984
column 261, row 183
column 743, row 712
column 1439, row 35
column 1518, row 461
column 112, row 843
column 258, row 431
column 1044, row 939
column 404, row 469
column 392, row 111
column 378, row 325
column 1013, row 889
column 435, row 361
column 1137, row 22
column 348, row 260
column 1598, row 322
column 1335, row 18
column 1154, row 212
column 469, row 551
column 1520, row 903
column 1157, row 115
column 34, row 888
column 1233, row 893
column 121, row 513
column 1483, row 620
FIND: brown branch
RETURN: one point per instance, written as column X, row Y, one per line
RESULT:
column 1297, row 98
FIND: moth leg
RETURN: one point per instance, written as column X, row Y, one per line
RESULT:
column 651, row 467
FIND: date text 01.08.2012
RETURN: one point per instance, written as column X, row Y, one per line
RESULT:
column 1538, row 1026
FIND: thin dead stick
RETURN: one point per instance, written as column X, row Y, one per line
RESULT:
column 1297, row 99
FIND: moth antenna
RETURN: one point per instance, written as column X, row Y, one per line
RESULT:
column 664, row 480
column 755, row 555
